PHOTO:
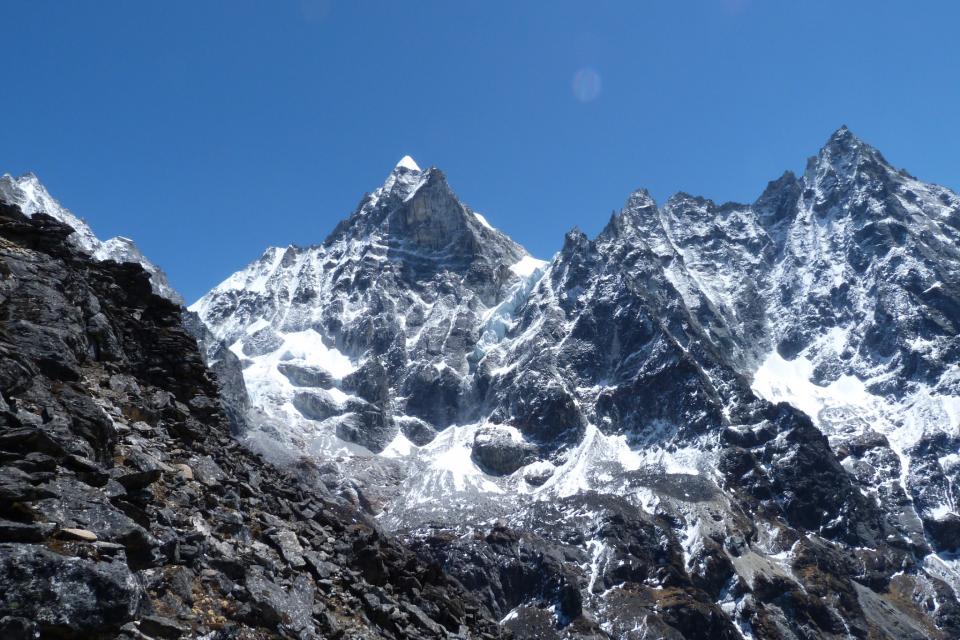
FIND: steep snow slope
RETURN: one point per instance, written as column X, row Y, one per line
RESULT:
column 32, row 197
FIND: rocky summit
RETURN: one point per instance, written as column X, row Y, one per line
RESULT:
column 708, row 421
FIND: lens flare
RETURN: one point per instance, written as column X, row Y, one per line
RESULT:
column 586, row 85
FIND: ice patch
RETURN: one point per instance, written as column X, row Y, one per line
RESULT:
column 514, row 613
column 691, row 541
column 501, row 318
column 308, row 347
column 399, row 447
column 845, row 407
column 449, row 467
column 597, row 549
column 581, row 471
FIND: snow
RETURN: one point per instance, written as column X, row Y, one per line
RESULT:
column 941, row 511
column 500, row 319
column 946, row 567
column 597, row 549
column 539, row 467
column 253, row 279
column 483, row 221
column 846, row 408
column 514, row 613
column 527, row 266
column 272, row 392
column 715, row 258
column 406, row 162
column 781, row 380
column 733, row 607
column 399, row 447
column 691, row 541
column 449, row 467
column 613, row 455
column 308, row 347
column 32, row 197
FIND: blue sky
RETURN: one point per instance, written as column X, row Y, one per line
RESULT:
column 207, row 131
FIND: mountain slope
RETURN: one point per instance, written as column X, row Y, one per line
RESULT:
column 593, row 444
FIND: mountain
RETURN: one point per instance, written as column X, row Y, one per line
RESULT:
column 27, row 193
column 372, row 332
column 735, row 420
column 128, row 510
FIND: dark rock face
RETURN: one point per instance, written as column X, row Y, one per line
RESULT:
column 544, row 564
column 305, row 376
column 127, row 509
column 227, row 371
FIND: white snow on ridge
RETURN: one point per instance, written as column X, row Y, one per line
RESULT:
column 483, row 221
column 302, row 347
column 253, row 279
column 780, row 380
column 406, row 162
column 272, row 392
column 32, row 197
column 526, row 266
column 449, row 467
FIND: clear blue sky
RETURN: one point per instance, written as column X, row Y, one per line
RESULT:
column 207, row 131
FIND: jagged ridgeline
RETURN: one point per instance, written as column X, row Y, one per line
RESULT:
column 710, row 421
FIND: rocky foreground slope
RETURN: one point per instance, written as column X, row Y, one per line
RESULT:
column 126, row 508
column 737, row 420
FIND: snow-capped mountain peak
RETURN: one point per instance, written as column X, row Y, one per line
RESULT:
column 383, row 308
column 416, row 219
column 408, row 163
column 846, row 160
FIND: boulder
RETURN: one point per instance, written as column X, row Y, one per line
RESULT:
column 303, row 375
column 499, row 452
column 66, row 597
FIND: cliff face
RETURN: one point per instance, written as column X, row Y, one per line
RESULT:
column 127, row 509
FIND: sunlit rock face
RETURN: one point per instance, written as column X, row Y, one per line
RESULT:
column 711, row 420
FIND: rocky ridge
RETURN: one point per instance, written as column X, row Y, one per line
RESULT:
column 27, row 193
